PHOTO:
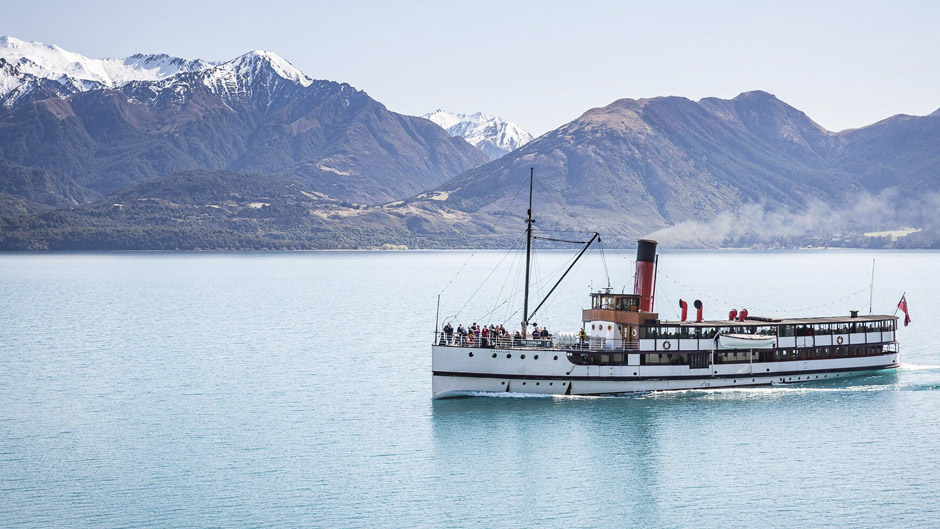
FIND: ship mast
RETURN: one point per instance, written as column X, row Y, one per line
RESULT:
column 528, row 253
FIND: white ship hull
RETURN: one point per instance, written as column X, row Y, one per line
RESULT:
column 462, row 371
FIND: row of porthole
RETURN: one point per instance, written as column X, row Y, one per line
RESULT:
column 503, row 383
column 509, row 355
column 808, row 378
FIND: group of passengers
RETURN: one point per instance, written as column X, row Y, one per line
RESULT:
column 486, row 335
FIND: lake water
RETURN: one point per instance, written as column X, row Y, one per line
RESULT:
column 293, row 390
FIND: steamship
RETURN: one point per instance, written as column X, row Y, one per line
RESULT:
column 624, row 347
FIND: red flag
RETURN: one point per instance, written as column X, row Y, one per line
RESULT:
column 902, row 305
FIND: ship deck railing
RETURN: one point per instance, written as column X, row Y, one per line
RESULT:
column 598, row 345
column 550, row 343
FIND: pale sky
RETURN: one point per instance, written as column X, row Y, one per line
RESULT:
column 541, row 64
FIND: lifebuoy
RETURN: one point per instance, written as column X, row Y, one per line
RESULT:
column 667, row 344
column 633, row 332
column 839, row 340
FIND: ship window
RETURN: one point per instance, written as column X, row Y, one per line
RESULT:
column 823, row 328
column 786, row 330
column 669, row 332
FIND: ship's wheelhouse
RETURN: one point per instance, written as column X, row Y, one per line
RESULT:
column 614, row 320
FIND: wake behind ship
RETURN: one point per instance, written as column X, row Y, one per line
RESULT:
column 624, row 347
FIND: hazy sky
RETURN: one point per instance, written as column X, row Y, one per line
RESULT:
column 542, row 64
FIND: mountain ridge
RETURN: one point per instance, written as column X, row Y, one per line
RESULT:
column 254, row 113
column 491, row 134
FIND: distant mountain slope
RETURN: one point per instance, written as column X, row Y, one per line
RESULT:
column 491, row 134
column 900, row 153
column 637, row 166
column 41, row 187
column 194, row 210
column 148, row 116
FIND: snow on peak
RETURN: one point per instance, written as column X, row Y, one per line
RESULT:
column 255, row 65
column 491, row 134
column 77, row 73
column 259, row 76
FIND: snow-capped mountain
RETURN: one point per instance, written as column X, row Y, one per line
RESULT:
column 110, row 124
column 491, row 134
column 261, row 77
column 24, row 65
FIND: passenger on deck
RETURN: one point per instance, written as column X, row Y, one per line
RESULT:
column 449, row 333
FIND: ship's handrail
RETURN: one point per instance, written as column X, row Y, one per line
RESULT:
column 592, row 344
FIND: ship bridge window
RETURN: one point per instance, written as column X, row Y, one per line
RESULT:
column 630, row 304
column 619, row 302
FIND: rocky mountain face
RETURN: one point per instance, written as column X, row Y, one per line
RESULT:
column 107, row 125
column 638, row 166
column 491, row 134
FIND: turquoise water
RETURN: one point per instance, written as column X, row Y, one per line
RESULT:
column 293, row 390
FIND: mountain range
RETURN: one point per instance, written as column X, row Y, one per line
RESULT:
column 157, row 152
column 109, row 124
column 749, row 170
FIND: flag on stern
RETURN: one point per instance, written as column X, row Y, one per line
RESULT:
column 902, row 305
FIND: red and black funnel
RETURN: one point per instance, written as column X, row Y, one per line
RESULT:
column 645, row 282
